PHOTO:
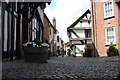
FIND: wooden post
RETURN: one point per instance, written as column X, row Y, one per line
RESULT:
column 18, row 52
column 12, row 33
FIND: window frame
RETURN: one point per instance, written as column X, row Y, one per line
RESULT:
column 112, row 9
column 107, row 43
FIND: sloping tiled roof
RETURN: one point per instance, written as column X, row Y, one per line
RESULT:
column 72, row 25
column 50, row 22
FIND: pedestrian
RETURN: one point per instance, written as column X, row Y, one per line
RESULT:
column 68, row 50
column 63, row 52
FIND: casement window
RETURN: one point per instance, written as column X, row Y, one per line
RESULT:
column 50, row 32
column 15, row 33
column 87, row 33
column 34, row 29
column 5, row 30
column 108, row 9
column 110, row 35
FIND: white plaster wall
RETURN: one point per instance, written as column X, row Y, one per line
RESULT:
column 77, row 25
column 55, row 37
column 85, row 24
column 76, row 42
column 89, row 41
column 81, row 47
column 50, row 36
column 80, row 33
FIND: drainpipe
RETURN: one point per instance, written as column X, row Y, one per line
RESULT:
column 93, row 32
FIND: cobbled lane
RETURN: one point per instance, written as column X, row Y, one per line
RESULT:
column 63, row 68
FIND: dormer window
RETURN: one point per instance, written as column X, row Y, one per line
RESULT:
column 108, row 9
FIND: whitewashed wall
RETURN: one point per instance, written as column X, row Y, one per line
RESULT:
column 51, row 36
column 81, row 47
column 76, row 42
column 77, row 25
column 80, row 33
column 55, row 37
column 85, row 24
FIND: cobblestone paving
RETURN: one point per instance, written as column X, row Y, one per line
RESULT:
column 63, row 68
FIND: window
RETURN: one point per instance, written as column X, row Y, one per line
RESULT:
column 50, row 31
column 87, row 33
column 110, row 35
column 34, row 29
column 5, row 30
column 108, row 9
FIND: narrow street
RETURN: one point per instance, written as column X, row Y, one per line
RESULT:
column 62, row 68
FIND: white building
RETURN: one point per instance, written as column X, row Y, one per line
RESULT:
column 80, row 33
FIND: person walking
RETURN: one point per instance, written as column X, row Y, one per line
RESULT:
column 68, row 50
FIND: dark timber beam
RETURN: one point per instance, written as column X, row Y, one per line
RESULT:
column 18, row 53
column 12, row 33
column 77, row 36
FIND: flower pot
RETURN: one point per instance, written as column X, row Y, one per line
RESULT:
column 36, row 54
column 110, row 54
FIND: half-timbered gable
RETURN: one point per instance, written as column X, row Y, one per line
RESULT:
column 80, row 32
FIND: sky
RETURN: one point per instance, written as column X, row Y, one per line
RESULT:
column 66, row 12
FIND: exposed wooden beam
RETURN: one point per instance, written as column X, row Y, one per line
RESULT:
column 18, row 52
column 77, row 36
column 80, row 28
column 12, row 34
column 84, row 20
column 77, row 39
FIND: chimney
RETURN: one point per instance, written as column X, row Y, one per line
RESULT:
column 54, row 22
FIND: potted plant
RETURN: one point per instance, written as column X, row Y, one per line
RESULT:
column 112, row 51
column 36, row 51
column 88, row 52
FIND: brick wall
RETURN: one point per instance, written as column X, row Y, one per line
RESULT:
column 119, row 28
column 101, row 24
column 46, row 29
